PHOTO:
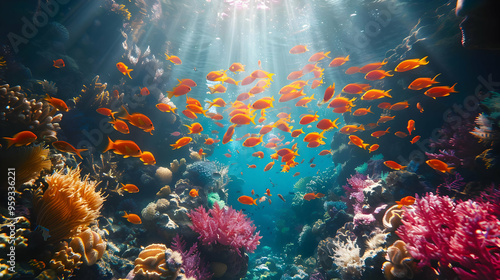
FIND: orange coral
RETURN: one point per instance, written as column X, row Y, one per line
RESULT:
column 64, row 261
column 68, row 205
column 89, row 245
column 400, row 263
column 157, row 261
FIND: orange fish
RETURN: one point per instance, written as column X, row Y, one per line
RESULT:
column 120, row 126
column 22, row 138
column 394, row 165
column 420, row 108
column 415, row 139
column 147, row 158
column 281, row 197
column 411, row 126
column 292, row 95
column 139, row 120
column 116, row 93
column 338, row 61
column 295, row 75
column 318, row 56
column 384, row 119
column 308, row 68
column 340, row 101
column 373, row 148
column 252, row 192
column 165, row 108
column 348, row 129
column 244, row 199
column 260, row 74
column 372, row 66
column 190, row 114
column 106, row 112
column 144, row 91
column 405, row 201
column 237, row 67
column 187, row 82
column 316, row 83
column 399, row 106
column 201, row 153
column 268, row 192
column 298, row 49
column 297, row 132
column 438, row 165
column 252, row 166
column 263, row 104
column 311, row 196
column 195, row 128
column 307, row 119
column 217, row 102
column 242, row 119
column 133, row 218
column 422, row 83
column 410, row 64
column 384, row 105
column 352, row 70
column 356, row 88
column 400, row 134
column 59, row 104
column 312, row 165
column 314, row 136
column 252, row 141
column 209, row 141
column 258, row 154
column 126, row 148
column 440, row 91
column 358, row 142
column 373, row 94
column 219, row 88
column 178, row 91
column 327, row 124
column 229, row 134
column 181, row 142
column 193, row 192
column 325, row 152
column 362, row 111
column 266, row 129
column 269, row 166
column 124, row 69
column 377, row 75
column 66, row 147
column 59, row 63
column 174, row 59
column 130, row 188
column 296, row 174
column 380, row 133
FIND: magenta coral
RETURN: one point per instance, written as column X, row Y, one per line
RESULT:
column 464, row 236
column 225, row 226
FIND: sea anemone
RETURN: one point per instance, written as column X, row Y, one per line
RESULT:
column 68, row 205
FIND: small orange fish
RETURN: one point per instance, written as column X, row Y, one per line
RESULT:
column 209, row 141
column 258, row 154
column 181, row 142
column 66, row 147
column 380, row 133
column 422, row 83
column 318, row 56
column 252, row 192
column 116, row 93
column 440, row 91
column 356, row 88
column 410, row 64
column 187, row 82
column 190, row 114
column 327, row 124
column 410, row 126
column 400, row 134
column 325, row 152
column 420, row 108
column 415, row 139
column 405, row 201
column 311, row 196
column 358, row 142
column 120, row 126
column 130, row 188
column 252, row 166
column 307, row 119
column 297, row 132
column 195, row 128
column 352, row 70
column 178, row 91
column 269, row 166
column 126, row 148
column 312, row 165
column 144, row 91
column 174, row 59
column 59, row 104
column 106, row 112
column 384, row 119
column 268, row 192
column 193, row 192
column 394, row 165
column 59, row 63
column 229, row 134
column 296, row 174
column 373, row 148
column 304, row 101
column 438, row 165
column 139, row 120
column 132, row 218
column 247, row 200
column 373, row 94
column 376, row 75
column 281, row 197
column 338, row 61
column 237, row 67
column 362, row 111
column 124, row 69
column 22, row 138
column 298, row 49
column 384, row 105
column 165, row 108
column 252, row 141
column 147, row 158
column 372, row 66
column 399, row 106
column 295, row 75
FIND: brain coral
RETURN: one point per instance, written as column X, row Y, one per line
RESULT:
column 89, row 245
column 157, row 261
column 68, row 205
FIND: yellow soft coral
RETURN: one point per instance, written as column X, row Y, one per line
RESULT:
column 157, row 261
column 68, row 205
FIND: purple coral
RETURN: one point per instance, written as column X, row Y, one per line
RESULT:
column 463, row 235
column 225, row 226
column 191, row 262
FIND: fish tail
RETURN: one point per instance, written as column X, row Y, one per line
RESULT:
column 326, row 54
column 368, row 110
column 453, row 88
column 389, row 74
column 270, row 76
column 449, row 169
column 128, row 72
column 78, row 151
column 110, row 145
column 434, row 79
column 361, row 127
column 127, row 115
column 252, row 119
column 365, row 145
column 10, row 141
column 423, row 61
column 347, row 58
column 387, row 130
column 170, row 94
column 125, row 216
column 255, row 201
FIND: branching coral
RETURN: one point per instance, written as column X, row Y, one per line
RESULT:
column 27, row 162
column 225, row 227
column 67, row 205
column 157, row 261
column 191, row 262
column 17, row 113
column 462, row 235
column 89, row 245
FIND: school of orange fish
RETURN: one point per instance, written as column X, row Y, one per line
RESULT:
column 242, row 112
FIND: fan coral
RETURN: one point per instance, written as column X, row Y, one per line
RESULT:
column 157, row 261
column 226, row 227
column 462, row 235
column 67, row 205
column 400, row 263
column 27, row 162
column 89, row 245
column 19, row 113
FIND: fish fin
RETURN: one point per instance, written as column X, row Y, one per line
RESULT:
column 434, row 79
column 128, row 72
column 423, row 61
column 347, row 58
column 125, row 216
column 110, row 145
column 449, row 169
column 255, row 201
column 365, row 145
column 453, row 88
column 78, row 151
column 170, row 94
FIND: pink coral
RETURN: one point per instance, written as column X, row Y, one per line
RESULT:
column 463, row 235
column 225, row 226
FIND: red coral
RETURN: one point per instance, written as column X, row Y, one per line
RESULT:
column 225, row 226
column 463, row 235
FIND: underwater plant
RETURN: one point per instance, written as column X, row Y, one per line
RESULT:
column 191, row 261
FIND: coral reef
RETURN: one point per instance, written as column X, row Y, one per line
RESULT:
column 89, row 245
column 67, row 205
column 157, row 261
column 399, row 262
column 64, row 261
column 192, row 264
